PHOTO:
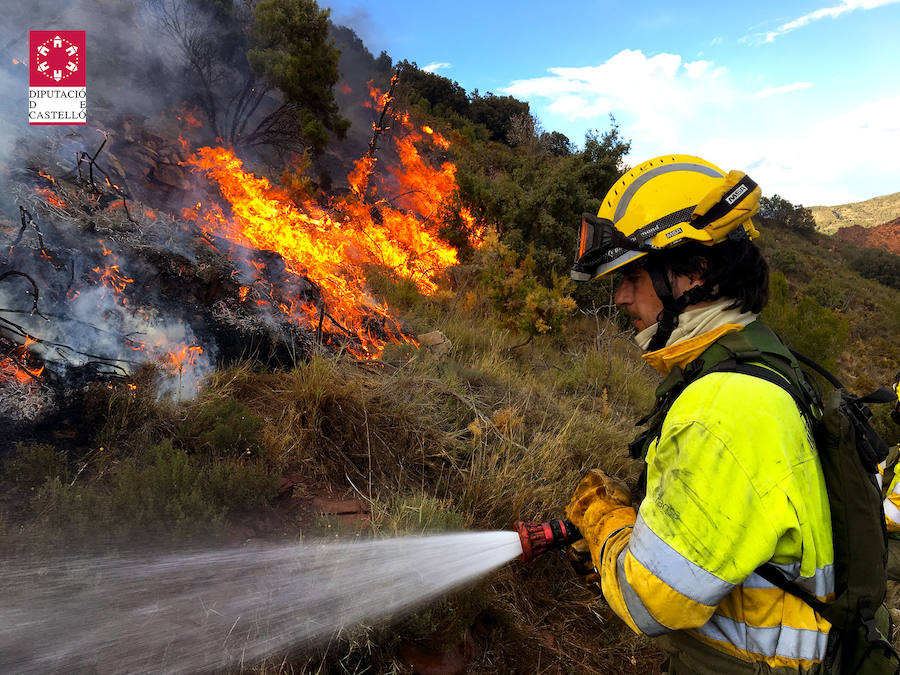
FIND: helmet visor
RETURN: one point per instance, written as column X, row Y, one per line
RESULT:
column 599, row 242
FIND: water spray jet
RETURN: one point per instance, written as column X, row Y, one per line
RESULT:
column 211, row 610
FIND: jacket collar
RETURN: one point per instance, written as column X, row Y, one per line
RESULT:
column 682, row 353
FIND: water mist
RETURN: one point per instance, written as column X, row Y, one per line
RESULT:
column 208, row 610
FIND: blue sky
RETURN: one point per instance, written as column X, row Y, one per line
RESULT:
column 804, row 96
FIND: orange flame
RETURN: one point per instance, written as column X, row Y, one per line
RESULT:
column 50, row 197
column 112, row 278
column 184, row 356
column 17, row 369
column 332, row 247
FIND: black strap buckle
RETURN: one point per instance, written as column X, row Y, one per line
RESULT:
column 867, row 616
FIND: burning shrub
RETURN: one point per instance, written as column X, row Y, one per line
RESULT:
column 127, row 416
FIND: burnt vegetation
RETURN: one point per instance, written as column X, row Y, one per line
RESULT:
column 539, row 382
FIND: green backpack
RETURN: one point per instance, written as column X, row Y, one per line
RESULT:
column 849, row 450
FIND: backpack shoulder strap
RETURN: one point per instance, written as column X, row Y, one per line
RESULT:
column 768, row 375
column 755, row 343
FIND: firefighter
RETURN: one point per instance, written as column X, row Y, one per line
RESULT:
column 731, row 479
column 891, row 478
column 895, row 413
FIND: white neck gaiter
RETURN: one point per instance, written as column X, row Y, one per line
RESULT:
column 693, row 322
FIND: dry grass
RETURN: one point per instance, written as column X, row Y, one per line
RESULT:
column 493, row 432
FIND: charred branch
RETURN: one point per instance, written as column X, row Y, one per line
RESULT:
column 94, row 360
column 378, row 128
column 34, row 286
column 27, row 220
column 91, row 159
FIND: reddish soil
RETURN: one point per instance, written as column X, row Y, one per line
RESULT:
column 885, row 236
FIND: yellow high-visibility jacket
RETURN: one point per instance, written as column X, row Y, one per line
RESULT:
column 733, row 482
column 892, row 502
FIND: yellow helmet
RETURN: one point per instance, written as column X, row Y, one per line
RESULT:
column 662, row 203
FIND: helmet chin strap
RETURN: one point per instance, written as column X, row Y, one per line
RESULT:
column 667, row 320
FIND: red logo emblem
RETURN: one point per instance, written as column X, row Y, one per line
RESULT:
column 56, row 58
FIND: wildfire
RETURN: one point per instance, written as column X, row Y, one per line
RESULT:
column 112, row 278
column 332, row 247
column 188, row 117
column 182, row 357
column 50, row 197
column 15, row 368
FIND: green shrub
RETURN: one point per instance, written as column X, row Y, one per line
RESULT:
column 34, row 464
column 224, row 427
column 166, row 495
column 787, row 261
column 517, row 294
column 806, row 326
column 827, row 293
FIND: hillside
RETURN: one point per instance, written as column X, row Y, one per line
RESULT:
column 869, row 213
column 885, row 236
column 441, row 374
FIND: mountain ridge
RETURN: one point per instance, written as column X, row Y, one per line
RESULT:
column 869, row 213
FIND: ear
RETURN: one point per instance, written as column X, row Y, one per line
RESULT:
column 695, row 279
column 698, row 277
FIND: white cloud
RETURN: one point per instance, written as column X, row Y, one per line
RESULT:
column 784, row 89
column 666, row 105
column 573, row 107
column 431, row 67
column 825, row 12
column 658, row 93
column 697, row 68
column 844, row 158
column 716, row 41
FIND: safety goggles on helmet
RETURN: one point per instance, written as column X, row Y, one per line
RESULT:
column 600, row 243
column 662, row 203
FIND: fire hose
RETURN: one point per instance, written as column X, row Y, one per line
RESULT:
column 538, row 538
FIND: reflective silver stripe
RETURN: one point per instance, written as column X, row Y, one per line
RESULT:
column 784, row 641
column 626, row 257
column 626, row 197
column 891, row 511
column 896, row 489
column 679, row 573
column 879, row 477
column 821, row 583
column 641, row 615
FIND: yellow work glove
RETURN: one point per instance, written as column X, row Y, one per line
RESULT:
column 600, row 506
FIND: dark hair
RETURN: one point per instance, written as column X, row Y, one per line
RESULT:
column 731, row 269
